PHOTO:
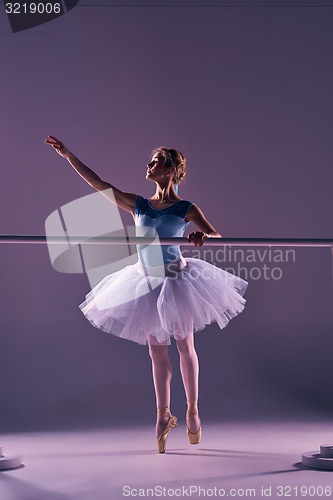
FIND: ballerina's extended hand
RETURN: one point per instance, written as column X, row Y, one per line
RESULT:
column 58, row 146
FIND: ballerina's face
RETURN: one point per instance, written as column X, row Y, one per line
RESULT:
column 156, row 166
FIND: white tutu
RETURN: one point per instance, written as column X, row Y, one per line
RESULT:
column 133, row 306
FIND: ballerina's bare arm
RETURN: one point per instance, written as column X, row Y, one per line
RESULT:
column 196, row 216
column 121, row 199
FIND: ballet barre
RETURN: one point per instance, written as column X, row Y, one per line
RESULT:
column 145, row 240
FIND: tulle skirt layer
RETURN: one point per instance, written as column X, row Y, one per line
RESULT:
column 138, row 307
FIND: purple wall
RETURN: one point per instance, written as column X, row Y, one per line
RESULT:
column 246, row 94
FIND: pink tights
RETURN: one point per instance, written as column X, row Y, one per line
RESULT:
column 162, row 374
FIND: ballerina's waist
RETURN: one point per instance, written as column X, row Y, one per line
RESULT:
column 168, row 269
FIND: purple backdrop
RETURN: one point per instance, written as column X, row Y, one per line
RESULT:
column 246, row 94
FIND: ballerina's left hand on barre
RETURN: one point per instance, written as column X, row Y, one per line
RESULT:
column 198, row 237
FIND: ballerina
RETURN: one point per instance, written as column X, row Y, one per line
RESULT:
column 188, row 295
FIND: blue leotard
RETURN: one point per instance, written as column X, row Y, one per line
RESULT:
column 163, row 222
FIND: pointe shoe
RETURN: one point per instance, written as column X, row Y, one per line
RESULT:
column 171, row 423
column 193, row 437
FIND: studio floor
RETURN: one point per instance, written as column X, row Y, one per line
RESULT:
column 233, row 460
